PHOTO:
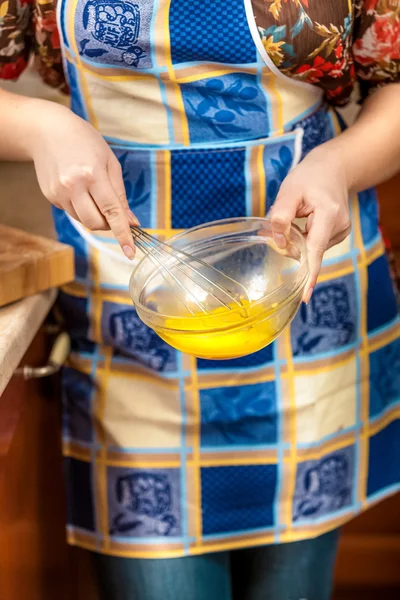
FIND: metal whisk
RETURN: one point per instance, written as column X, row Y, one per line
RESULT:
column 191, row 279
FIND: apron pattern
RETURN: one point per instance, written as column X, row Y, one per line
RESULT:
column 144, row 504
column 167, row 455
column 329, row 321
column 197, row 34
column 112, row 33
column 219, row 108
column 130, row 337
column 136, row 171
column 324, row 486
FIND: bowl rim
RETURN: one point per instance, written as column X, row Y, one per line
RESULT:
column 303, row 265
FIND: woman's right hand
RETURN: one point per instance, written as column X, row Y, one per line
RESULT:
column 78, row 172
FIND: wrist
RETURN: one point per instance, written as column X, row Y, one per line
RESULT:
column 47, row 117
column 332, row 155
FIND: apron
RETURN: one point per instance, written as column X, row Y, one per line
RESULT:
column 167, row 455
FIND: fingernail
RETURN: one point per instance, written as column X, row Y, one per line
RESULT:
column 280, row 240
column 132, row 217
column 128, row 251
column 307, row 297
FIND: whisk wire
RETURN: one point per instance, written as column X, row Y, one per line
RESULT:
column 158, row 264
column 165, row 257
column 174, row 255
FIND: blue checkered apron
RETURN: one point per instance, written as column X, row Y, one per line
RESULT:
column 167, row 455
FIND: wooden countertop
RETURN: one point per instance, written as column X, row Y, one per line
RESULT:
column 22, row 205
column 19, row 323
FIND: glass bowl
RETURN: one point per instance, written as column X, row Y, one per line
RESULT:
column 243, row 249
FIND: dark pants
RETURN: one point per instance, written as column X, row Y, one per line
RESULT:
column 297, row 571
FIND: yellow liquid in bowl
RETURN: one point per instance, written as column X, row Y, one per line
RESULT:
column 235, row 341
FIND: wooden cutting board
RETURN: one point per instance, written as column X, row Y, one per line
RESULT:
column 31, row 264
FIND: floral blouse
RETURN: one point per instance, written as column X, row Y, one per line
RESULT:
column 333, row 43
column 328, row 43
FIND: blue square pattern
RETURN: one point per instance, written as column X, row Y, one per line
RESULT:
column 384, row 369
column 131, row 338
column 278, row 159
column 199, row 32
column 206, row 186
column 83, row 346
column 137, row 174
column 381, row 301
column 77, row 390
column 231, row 107
column 75, row 316
column 238, row 498
column 325, row 486
column 144, row 503
column 80, row 510
column 329, row 321
column 369, row 215
column 257, row 359
column 384, row 463
column 67, row 234
column 239, row 415
column 317, row 129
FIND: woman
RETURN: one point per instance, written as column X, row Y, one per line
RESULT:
column 203, row 479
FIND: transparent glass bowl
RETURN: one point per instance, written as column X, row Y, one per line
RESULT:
column 244, row 250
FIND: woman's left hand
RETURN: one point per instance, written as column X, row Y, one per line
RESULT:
column 317, row 190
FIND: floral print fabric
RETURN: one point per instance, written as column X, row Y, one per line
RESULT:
column 331, row 44
column 28, row 26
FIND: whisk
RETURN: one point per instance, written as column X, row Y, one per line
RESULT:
column 192, row 280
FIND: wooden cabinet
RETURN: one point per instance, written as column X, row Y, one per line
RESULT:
column 389, row 200
column 35, row 561
column 369, row 550
column 32, row 549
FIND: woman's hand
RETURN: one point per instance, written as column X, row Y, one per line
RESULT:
column 79, row 173
column 316, row 189
column 365, row 154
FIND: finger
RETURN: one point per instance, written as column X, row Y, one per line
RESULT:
column 58, row 198
column 87, row 211
column 340, row 237
column 337, row 239
column 318, row 239
column 303, row 211
column 68, row 207
column 117, row 182
column 283, row 213
column 110, row 207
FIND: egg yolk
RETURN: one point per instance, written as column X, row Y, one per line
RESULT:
column 231, row 336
